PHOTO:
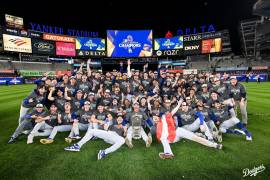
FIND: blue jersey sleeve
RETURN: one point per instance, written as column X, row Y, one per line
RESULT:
column 200, row 116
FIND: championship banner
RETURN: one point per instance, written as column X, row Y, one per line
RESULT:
column 129, row 43
column 27, row 73
column 14, row 21
column 17, row 44
column 90, row 44
column 211, row 46
column 65, row 49
column 83, row 53
column 168, row 43
column 52, row 37
column 43, row 47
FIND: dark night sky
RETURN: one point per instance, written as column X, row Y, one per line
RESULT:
column 135, row 14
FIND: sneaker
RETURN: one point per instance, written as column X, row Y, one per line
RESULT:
column 46, row 141
column 68, row 140
column 101, row 154
column 248, row 138
column 74, row 147
column 11, row 140
column 219, row 146
column 240, row 132
column 166, row 156
column 211, row 140
column 30, row 139
column 219, row 137
column 77, row 137
column 128, row 143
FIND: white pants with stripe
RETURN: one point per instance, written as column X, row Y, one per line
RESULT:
column 196, row 125
column 23, row 111
column 228, row 124
column 61, row 128
column 76, row 128
column 41, row 126
column 110, row 137
column 183, row 133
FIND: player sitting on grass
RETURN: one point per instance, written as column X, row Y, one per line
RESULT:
column 65, row 121
column 82, row 123
column 112, row 134
column 167, row 133
column 225, row 117
column 44, row 124
column 28, row 120
column 136, row 119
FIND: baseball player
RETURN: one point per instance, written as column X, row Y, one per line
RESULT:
column 136, row 120
column 65, row 120
column 238, row 93
column 167, row 133
column 193, row 120
column 225, row 117
column 111, row 134
column 36, row 97
column 37, row 113
column 45, row 124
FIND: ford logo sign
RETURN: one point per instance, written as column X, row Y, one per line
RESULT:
column 43, row 46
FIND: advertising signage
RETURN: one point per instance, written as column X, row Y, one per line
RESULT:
column 43, row 47
column 17, row 44
column 211, row 46
column 168, row 43
column 52, row 37
column 192, row 47
column 137, row 43
column 14, row 21
column 84, row 53
column 170, row 52
column 65, row 49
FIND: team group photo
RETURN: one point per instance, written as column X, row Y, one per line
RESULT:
column 157, row 96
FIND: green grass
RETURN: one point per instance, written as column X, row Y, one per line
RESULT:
column 192, row 161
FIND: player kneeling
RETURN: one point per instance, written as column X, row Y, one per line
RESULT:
column 111, row 134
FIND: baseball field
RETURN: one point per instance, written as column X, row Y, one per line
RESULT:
column 192, row 160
